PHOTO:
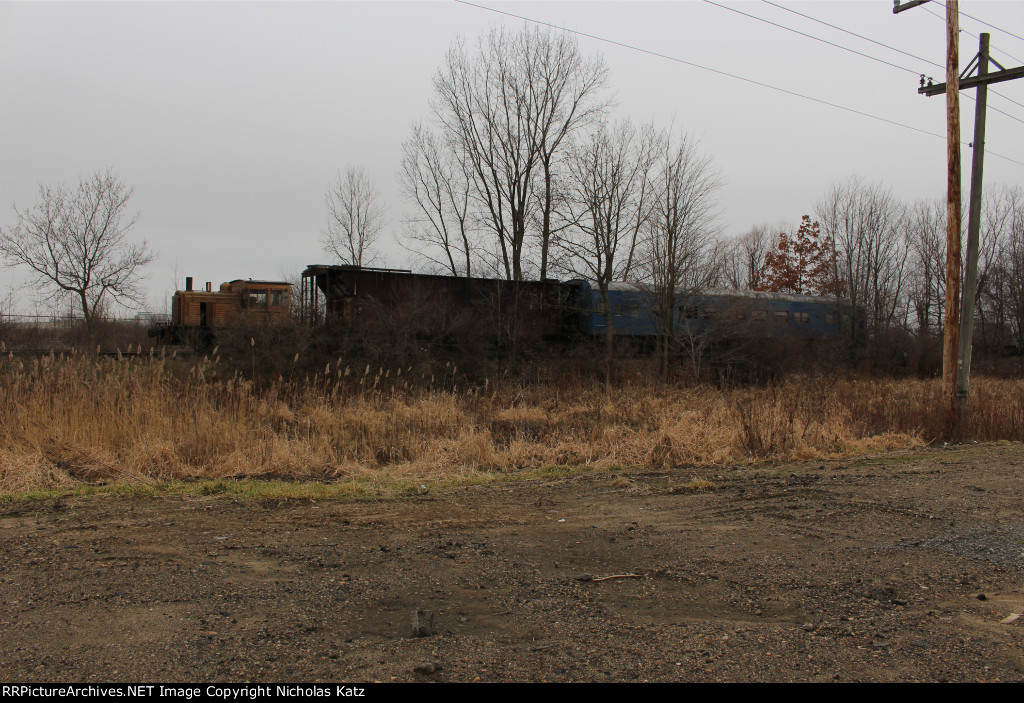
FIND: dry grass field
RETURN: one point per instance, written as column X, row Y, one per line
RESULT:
column 67, row 421
column 170, row 519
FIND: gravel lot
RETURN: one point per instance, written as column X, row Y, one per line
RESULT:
column 902, row 567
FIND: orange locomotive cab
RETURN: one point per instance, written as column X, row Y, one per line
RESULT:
column 196, row 314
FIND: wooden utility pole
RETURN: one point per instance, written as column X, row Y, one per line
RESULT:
column 950, row 338
column 951, row 332
column 963, row 375
column 981, row 82
column 956, row 346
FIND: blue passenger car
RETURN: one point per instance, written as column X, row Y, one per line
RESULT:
column 732, row 312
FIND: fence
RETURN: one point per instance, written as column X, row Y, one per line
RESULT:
column 65, row 332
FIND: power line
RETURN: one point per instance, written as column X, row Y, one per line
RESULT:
column 695, row 65
column 873, row 58
column 943, row 19
column 855, row 34
column 989, row 24
column 989, row 152
column 994, row 92
column 716, row 71
column 1006, row 97
column 811, row 36
column 996, row 109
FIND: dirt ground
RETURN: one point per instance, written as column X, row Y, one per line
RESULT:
column 903, row 567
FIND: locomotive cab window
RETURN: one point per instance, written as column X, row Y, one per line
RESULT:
column 257, row 298
column 278, row 298
column 782, row 315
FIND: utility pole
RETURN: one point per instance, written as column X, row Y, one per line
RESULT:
column 963, row 372
column 951, row 332
column 981, row 82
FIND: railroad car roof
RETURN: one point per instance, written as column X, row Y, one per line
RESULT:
column 730, row 293
column 260, row 283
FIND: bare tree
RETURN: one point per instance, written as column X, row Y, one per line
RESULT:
column 865, row 223
column 743, row 258
column 926, row 282
column 1001, row 269
column 355, row 217
column 508, row 109
column 604, row 201
column 680, row 250
column 436, row 181
column 76, row 244
column 565, row 87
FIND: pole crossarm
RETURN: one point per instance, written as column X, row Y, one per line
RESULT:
column 997, row 77
column 898, row 7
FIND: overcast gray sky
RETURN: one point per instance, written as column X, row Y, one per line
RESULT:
column 232, row 119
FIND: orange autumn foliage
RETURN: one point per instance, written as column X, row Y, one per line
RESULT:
column 800, row 263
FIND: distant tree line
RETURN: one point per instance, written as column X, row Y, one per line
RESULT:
column 888, row 258
column 521, row 172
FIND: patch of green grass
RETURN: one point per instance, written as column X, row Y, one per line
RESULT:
column 554, row 472
column 377, row 487
column 886, row 460
column 700, row 485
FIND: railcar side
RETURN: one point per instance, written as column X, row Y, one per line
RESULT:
column 355, row 297
column 754, row 314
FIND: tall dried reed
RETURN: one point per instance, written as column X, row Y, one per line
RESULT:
column 67, row 420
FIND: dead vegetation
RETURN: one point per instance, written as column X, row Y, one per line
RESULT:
column 65, row 421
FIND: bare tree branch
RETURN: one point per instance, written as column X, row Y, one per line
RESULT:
column 865, row 223
column 436, row 181
column 603, row 201
column 355, row 217
column 680, row 253
column 76, row 243
column 507, row 110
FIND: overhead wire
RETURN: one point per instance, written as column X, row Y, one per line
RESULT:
column 892, row 48
column 988, row 24
column 847, row 31
column 811, row 36
column 940, row 17
column 716, row 71
column 853, row 51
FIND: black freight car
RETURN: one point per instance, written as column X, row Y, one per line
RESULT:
column 435, row 305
